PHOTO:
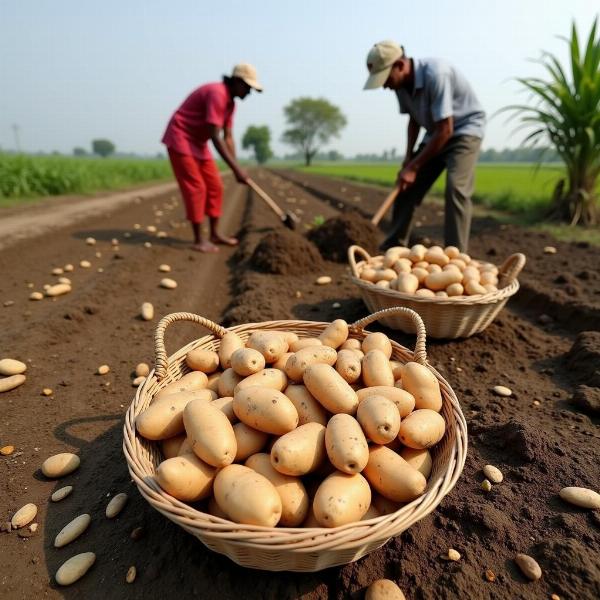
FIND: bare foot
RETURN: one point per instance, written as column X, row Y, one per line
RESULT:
column 205, row 247
column 228, row 241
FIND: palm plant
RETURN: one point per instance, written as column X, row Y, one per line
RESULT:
column 567, row 113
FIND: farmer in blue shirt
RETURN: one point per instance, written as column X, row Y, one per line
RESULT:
column 440, row 100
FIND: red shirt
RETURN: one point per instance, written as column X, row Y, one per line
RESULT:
column 188, row 130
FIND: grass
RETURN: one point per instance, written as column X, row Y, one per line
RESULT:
column 512, row 192
column 518, row 188
column 24, row 178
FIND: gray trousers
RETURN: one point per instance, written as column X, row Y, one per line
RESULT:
column 458, row 157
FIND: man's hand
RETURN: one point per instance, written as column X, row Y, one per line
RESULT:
column 406, row 177
column 241, row 176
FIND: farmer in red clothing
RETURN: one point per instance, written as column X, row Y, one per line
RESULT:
column 206, row 114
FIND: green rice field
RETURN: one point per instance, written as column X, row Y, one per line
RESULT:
column 518, row 188
column 27, row 177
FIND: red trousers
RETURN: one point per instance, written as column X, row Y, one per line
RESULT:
column 200, row 184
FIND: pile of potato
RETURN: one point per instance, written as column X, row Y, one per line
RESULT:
column 297, row 432
column 431, row 272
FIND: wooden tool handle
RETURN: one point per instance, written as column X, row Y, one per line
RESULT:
column 266, row 198
column 385, row 205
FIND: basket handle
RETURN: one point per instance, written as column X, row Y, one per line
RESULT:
column 420, row 352
column 352, row 251
column 511, row 268
column 159, row 336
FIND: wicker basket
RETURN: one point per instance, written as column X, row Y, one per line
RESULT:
column 289, row 549
column 447, row 318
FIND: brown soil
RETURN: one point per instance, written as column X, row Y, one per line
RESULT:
column 539, row 447
column 337, row 234
column 283, row 252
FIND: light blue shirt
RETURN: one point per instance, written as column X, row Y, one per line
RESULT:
column 440, row 91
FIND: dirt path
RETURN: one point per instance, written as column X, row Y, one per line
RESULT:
column 540, row 448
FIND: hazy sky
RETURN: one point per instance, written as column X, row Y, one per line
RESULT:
column 71, row 71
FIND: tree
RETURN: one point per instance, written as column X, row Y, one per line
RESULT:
column 313, row 122
column 567, row 114
column 258, row 138
column 78, row 151
column 103, row 147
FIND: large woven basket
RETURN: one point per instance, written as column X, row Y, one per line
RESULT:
column 447, row 318
column 289, row 549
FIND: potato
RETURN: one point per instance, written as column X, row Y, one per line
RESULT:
column 164, row 417
column 451, row 252
column 11, row 382
column 417, row 252
column 436, row 256
column 304, row 343
column 368, row 274
column 384, row 589
column 407, row 283
column 341, row 499
column 423, row 428
column 249, row 441
column 425, row 293
column 213, row 382
column 473, row 288
column 376, row 369
column 419, row 381
column 441, row 280
column 330, row 389
column 300, row 451
column 309, row 409
column 391, row 476
column 386, row 274
column 336, row 333
column 348, row 365
column 488, row 278
column 455, row 289
column 203, row 360
column 294, row 498
column 471, row 274
column 441, row 294
column 230, row 342
column 270, row 344
column 186, row 478
column 419, row 459
column 379, row 419
column 420, row 274
column 269, row 378
column 210, row 433
column 402, row 265
column 225, row 405
column 214, row 509
column 247, row 361
column 396, row 369
column 10, row 366
column 404, row 400
column 464, row 257
column 351, row 344
column 185, row 448
column 299, row 361
column 346, row 444
column 282, row 361
column 170, row 446
column 311, row 520
column 190, row 382
column 377, row 341
column 383, row 505
column 265, row 409
column 247, row 496
column 227, row 382
column 289, row 336
column 461, row 264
